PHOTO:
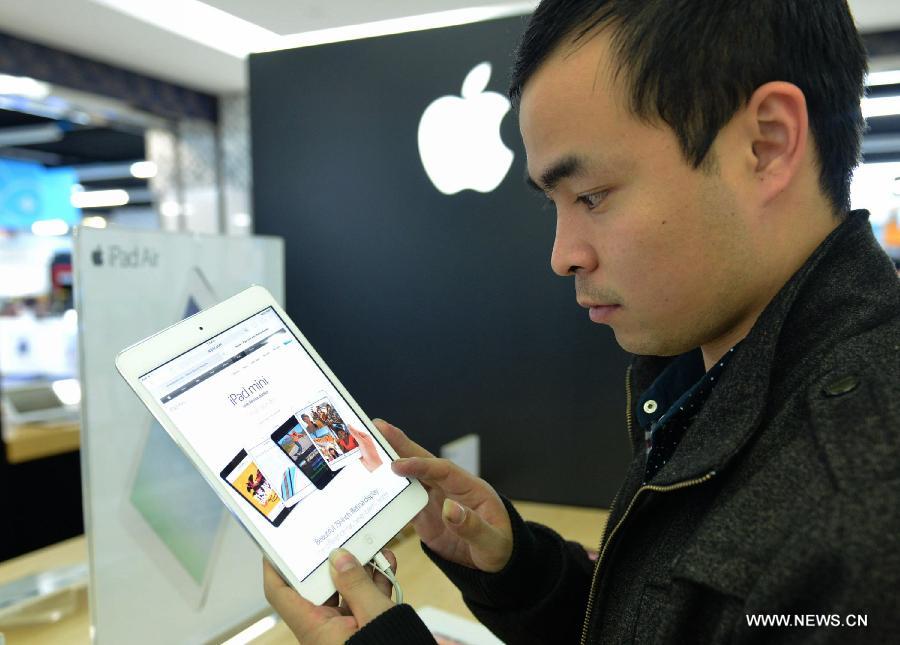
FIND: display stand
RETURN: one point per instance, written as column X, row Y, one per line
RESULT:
column 167, row 563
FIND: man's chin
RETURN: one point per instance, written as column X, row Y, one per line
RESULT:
column 648, row 345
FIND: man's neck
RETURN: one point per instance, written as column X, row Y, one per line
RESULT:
column 714, row 351
column 779, row 274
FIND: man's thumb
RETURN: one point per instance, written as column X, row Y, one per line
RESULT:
column 481, row 536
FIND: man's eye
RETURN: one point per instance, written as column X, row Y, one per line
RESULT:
column 592, row 200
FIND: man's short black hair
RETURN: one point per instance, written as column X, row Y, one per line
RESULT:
column 694, row 63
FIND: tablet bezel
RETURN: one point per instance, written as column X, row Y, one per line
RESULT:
column 166, row 345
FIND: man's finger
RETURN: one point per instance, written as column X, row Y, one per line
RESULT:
column 404, row 446
column 442, row 473
column 356, row 587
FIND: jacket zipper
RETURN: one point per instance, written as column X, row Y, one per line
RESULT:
column 604, row 541
column 628, row 422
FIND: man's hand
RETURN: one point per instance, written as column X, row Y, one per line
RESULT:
column 364, row 593
column 464, row 521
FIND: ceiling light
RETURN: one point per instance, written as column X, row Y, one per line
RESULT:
column 27, row 135
column 94, row 221
column 23, row 86
column 94, row 172
column 199, row 22
column 99, row 198
column 143, row 169
column 70, row 317
column 880, row 106
column 49, row 227
column 883, row 78
column 241, row 220
column 68, row 391
column 170, row 209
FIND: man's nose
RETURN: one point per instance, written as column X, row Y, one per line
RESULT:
column 572, row 249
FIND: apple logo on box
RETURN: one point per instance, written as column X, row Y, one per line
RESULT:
column 459, row 138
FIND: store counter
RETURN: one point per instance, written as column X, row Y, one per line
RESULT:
column 423, row 584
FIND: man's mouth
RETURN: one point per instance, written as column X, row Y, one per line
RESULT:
column 603, row 313
column 600, row 312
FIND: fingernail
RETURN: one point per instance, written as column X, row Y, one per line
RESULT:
column 342, row 560
column 378, row 420
column 453, row 512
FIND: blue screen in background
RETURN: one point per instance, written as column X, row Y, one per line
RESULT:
column 30, row 192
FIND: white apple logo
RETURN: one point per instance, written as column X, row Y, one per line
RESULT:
column 459, row 138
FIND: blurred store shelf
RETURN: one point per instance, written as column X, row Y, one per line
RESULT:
column 36, row 441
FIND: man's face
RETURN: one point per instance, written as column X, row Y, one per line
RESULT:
column 637, row 226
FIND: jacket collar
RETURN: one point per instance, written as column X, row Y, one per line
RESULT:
column 848, row 273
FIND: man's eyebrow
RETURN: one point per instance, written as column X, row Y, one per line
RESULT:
column 566, row 167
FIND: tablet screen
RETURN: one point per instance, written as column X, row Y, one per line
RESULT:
column 255, row 407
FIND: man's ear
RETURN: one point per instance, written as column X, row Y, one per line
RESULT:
column 779, row 126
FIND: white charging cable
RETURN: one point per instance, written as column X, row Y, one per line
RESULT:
column 384, row 567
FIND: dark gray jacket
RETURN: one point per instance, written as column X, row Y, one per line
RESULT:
column 783, row 498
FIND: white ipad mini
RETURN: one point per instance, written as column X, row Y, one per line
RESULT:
column 229, row 379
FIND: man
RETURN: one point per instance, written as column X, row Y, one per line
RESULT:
column 699, row 157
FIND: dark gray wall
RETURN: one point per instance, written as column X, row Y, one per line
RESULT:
column 438, row 313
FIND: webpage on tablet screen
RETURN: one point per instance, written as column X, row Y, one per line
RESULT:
column 255, row 407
